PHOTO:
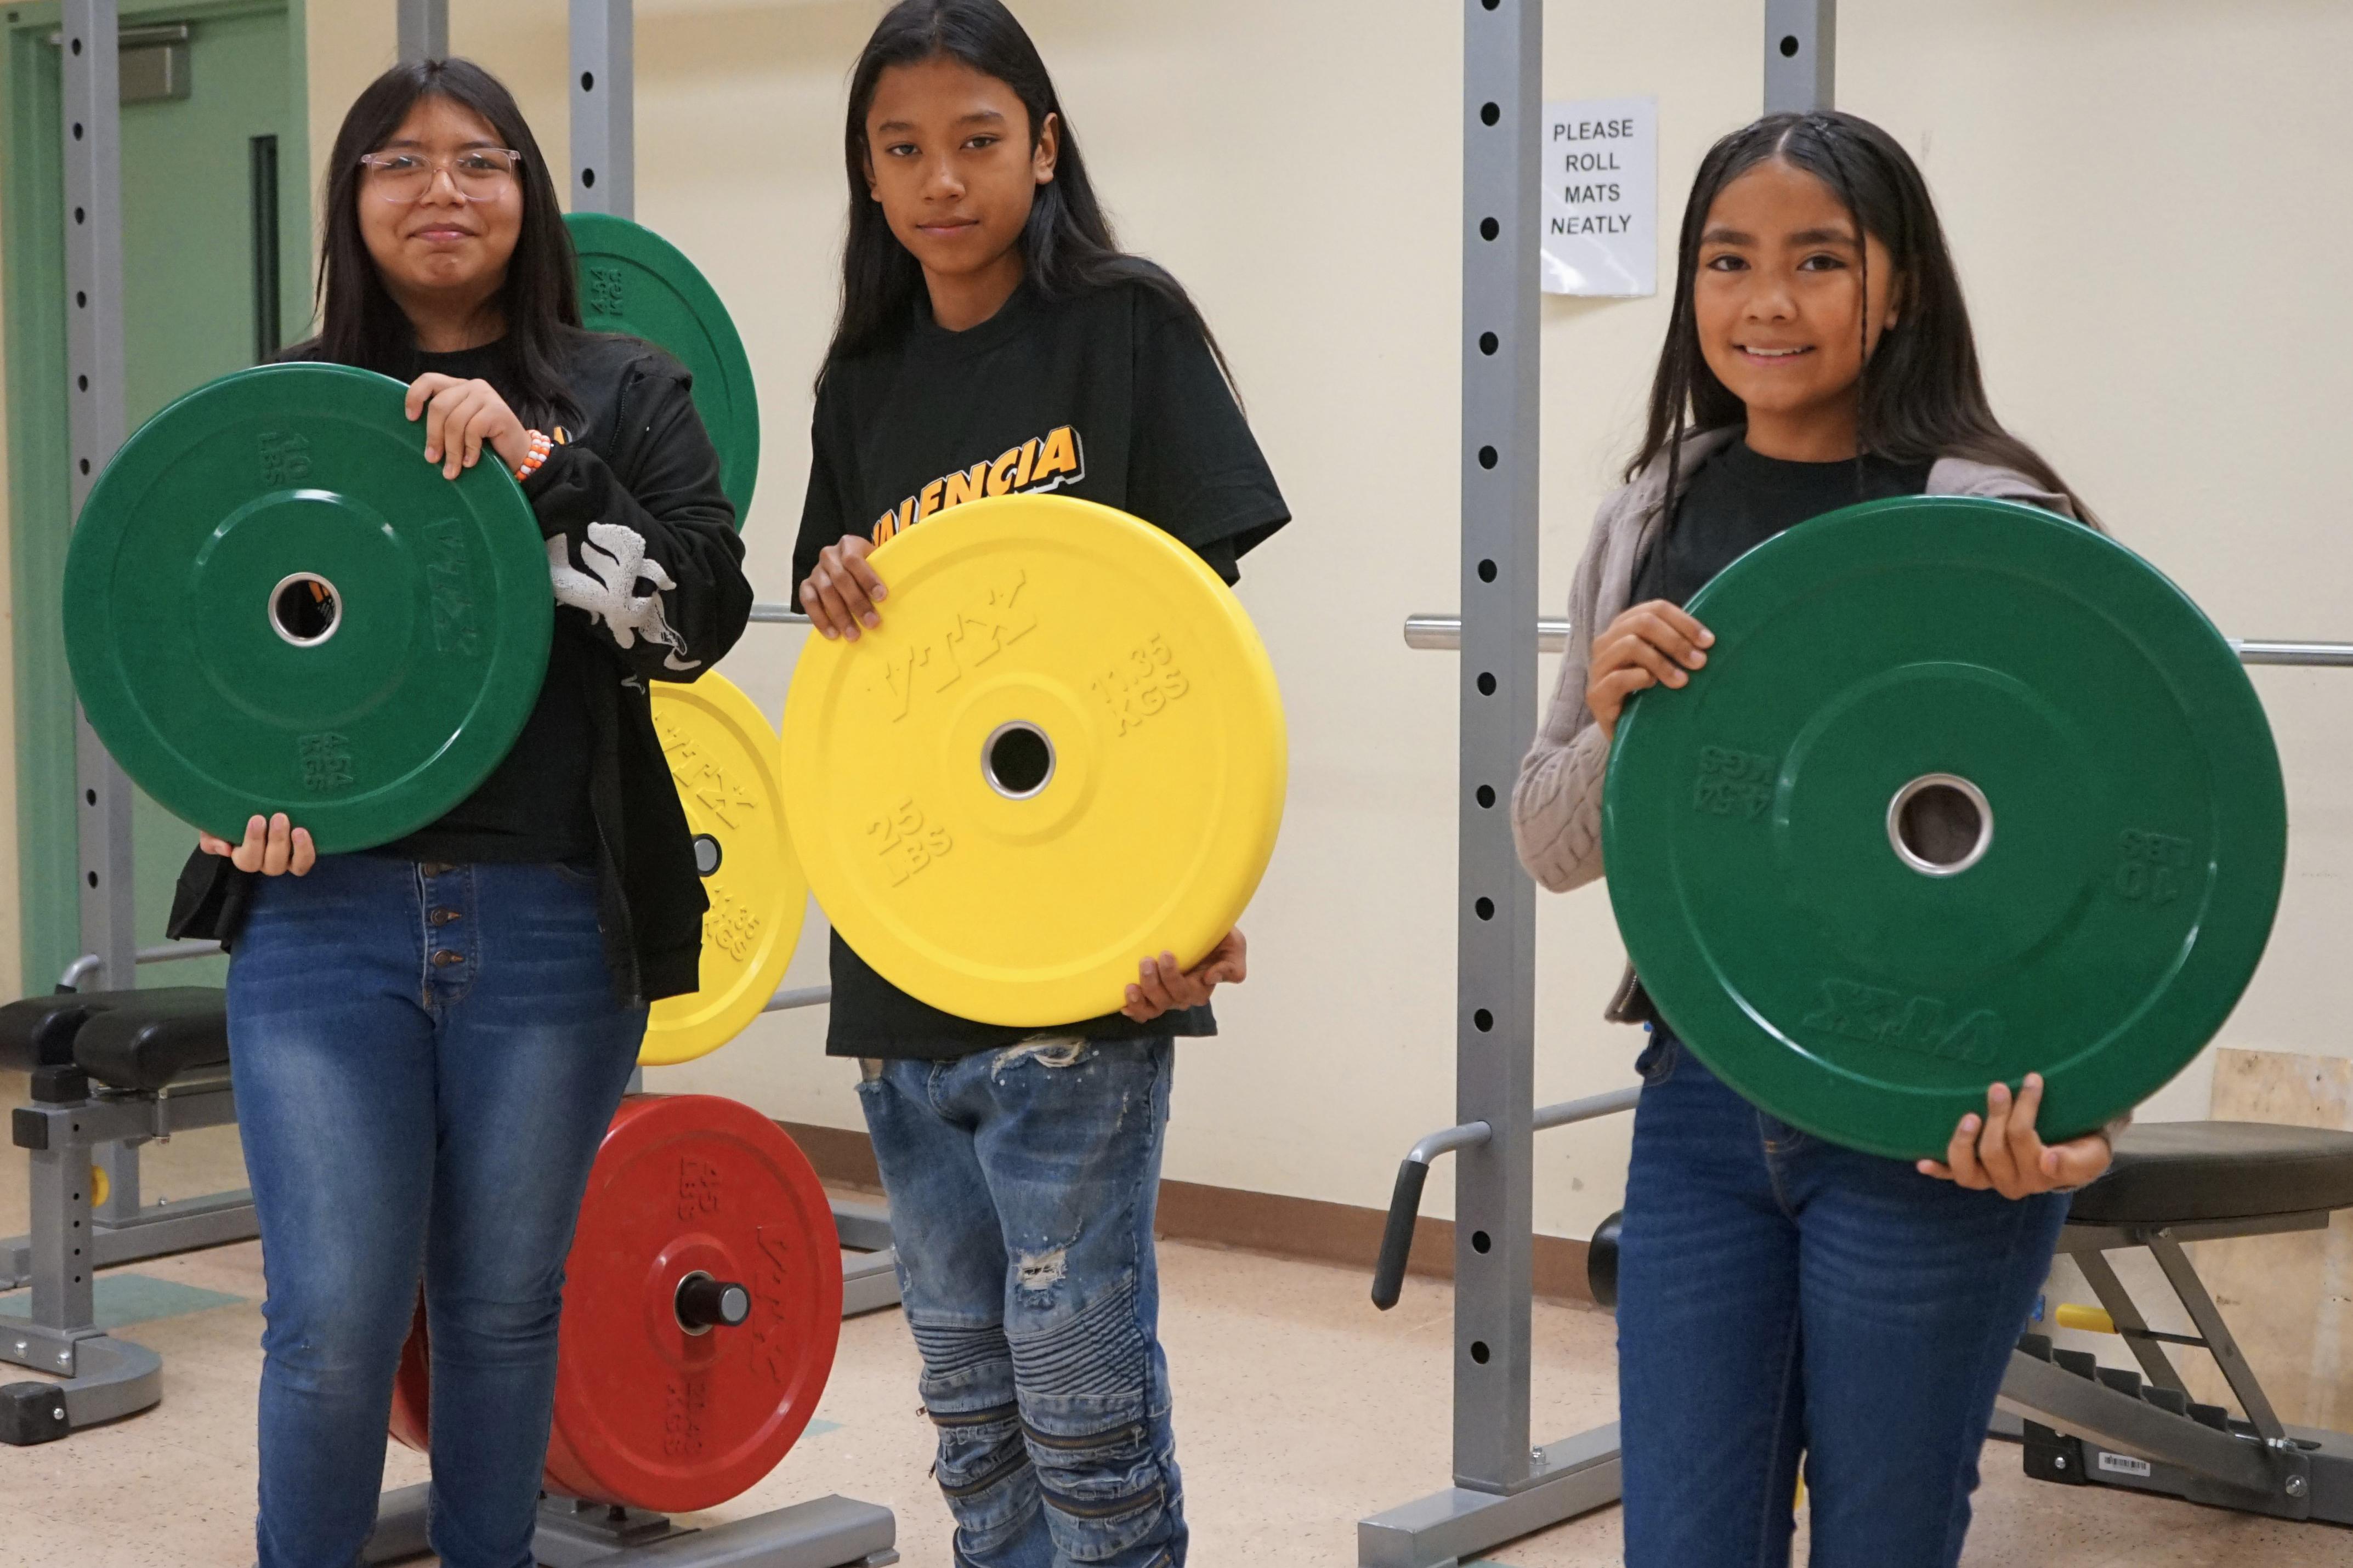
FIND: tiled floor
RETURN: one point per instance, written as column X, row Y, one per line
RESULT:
column 1299, row 1410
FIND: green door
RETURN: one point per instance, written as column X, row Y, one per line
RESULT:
column 216, row 255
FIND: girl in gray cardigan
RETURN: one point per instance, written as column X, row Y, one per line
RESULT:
column 1782, row 1296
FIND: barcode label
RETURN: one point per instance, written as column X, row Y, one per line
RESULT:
column 2124, row 1464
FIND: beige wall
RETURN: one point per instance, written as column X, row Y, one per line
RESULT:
column 2134, row 193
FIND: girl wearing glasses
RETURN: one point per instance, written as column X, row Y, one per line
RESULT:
column 428, row 1039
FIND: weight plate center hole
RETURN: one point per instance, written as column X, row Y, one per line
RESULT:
column 305, row 609
column 1017, row 760
column 1940, row 825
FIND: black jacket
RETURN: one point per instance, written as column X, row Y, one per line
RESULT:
column 640, row 461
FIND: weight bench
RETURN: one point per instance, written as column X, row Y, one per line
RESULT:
column 111, row 1070
column 2088, row 1424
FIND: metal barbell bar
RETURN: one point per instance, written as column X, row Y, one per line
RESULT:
column 789, row 997
column 786, row 999
column 1437, row 631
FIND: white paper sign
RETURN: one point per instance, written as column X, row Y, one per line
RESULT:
column 1601, row 197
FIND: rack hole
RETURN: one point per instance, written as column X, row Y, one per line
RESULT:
column 83, row 382
column 1017, row 759
column 588, row 179
column 1486, row 797
column 89, row 796
column 1479, row 1352
column 79, row 215
column 77, row 48
column 587, row 81
column 1789, row 46
column 1484, row 1019
column 1487, row 571
column 1489, row 456
column 1486, row 908
column 1486, row 684
column 305, row 609
column 1490, row 112
column 1489, row 342
column 1489, row 228
column 93, row 878
column 1480, row 1242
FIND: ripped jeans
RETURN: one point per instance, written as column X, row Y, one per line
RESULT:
column 1022, row 1186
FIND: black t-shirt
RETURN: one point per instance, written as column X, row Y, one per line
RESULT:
column 1738, row 499
column 1112, row 396
column 534, row 805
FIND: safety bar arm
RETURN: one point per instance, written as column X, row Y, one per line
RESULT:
column 1405, row 1202
column 1405, row 1205
column 81, row 968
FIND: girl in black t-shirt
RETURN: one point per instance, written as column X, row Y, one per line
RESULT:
column 428, row 1040
column 1780, row 1295
column 994, row 341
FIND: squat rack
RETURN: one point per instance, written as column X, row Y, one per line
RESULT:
column 1503, row 1488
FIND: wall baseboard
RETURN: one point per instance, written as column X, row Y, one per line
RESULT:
column 1306, row 1230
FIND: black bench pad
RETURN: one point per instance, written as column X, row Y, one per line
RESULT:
column 2179, row 1172
column 124, row 1039
column 38, row 1032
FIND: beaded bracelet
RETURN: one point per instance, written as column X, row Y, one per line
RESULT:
column 541, row 446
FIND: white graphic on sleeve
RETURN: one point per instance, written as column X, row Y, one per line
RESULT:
column 615, row 559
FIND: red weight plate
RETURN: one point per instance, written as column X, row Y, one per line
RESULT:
column 646, row 1412
column 412, row 1386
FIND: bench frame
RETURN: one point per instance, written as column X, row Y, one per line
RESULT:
column 101, row 1378
column 2085, row 1431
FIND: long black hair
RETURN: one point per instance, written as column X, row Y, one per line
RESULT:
column 1922, row 395
column 1067, row 245
column 360, row 323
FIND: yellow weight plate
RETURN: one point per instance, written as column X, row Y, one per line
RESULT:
column 722, row 755
column 1062, row 752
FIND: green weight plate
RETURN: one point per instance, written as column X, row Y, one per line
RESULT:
column 1811, row 892
column 633, row 281
column 273, row 603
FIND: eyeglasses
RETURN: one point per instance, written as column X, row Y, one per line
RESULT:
column 478, row 174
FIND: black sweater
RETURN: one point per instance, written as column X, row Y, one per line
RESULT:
column 638, row 476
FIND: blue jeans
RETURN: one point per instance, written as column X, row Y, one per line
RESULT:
column 1022, row 1186
column 406, row 1112
column 1780, row 1295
